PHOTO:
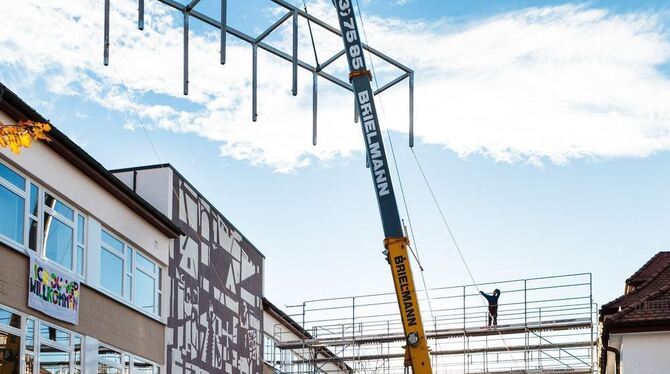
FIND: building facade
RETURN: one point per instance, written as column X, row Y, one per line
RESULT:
column 132, row 271
column 215, row 320
column 82, row 262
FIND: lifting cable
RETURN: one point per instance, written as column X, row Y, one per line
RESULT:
column 309, row 26
column 453, row 239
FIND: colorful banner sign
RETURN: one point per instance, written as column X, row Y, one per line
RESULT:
column 53, row 291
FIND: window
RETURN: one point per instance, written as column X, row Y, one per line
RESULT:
column 63, row 234
column 35, row 219
column 45, row 348
column 12, row 204
column 130, row 275
column 113, row 361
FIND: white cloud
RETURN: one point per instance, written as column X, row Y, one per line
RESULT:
column 554, row 83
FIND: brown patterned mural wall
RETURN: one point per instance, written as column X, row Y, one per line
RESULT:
column 216, row 281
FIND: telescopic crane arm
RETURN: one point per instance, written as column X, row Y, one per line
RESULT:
column 417, row 354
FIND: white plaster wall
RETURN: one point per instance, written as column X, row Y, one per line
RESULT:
column 644, row 353
column 55, row 173
column 126, row 177
column 154, row 185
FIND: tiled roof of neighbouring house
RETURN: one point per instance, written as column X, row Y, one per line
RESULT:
column 647, row 298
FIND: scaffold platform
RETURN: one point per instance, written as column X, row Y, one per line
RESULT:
column 545, row 325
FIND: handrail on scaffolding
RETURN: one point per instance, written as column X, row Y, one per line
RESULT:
column 545, row 324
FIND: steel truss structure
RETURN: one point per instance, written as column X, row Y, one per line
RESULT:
column 545, row 325
column 294, row 14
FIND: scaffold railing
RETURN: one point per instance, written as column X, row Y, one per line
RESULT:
column 545, row 325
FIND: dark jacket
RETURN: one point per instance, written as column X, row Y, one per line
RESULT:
column 492, row 299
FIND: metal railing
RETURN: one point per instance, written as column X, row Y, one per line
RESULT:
column 544, row 324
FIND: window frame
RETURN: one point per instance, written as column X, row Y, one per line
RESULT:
column 28, row 217
column 124, row 354
column 25, row 195
column 43, row 209
column 38, row 340
column 130, row 268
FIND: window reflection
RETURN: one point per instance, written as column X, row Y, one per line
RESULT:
column 53, row 360
column 77, row 351
column 11, row 219
column 108, row 354
column 111, row 272
column 112, row 241
column 107, row 369
column 59, row 207
column 54, row 334
column 12, row 177
column 10, row 319
column 58, row 241
column 144, row 291
column 30, row 363
column 10, row 349
column 34, row 197
column 30, row 335
column 142, row 367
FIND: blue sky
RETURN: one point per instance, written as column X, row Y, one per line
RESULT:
column 543, row 127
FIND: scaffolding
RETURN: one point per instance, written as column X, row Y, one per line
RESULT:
column 545, row 325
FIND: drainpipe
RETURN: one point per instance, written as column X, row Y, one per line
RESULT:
column 617, row 358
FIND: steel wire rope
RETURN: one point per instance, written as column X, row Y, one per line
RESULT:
column 453, row 239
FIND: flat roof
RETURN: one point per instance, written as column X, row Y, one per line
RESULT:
column 212, row 206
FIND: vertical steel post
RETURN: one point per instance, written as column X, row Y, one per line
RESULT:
column 186, row 16
column 591, row 318
column 314, row 105
column 254, row 82
column 294, row 86
column 539, row 351
column 465, row 355
column 525, row 322
column 105, row 54
column 353, row 331
column 411, row 110
column 140, row 14
column 224, row 9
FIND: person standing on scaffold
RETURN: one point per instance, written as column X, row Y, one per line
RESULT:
column 493, row 306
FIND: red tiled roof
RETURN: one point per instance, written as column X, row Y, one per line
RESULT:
column 649, row 299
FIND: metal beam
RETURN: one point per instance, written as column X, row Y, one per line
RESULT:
column 254, row 82
column 443, row 334
column 332, row 59
column 294, row 86
column 274, row 26
column 105, row 53
column 224, row 10
column 411, row 110
column 191, row 5
column 293, row 11
column 514, row 348
column 186, row 16
column 390, row 84
column 140, row 14
column 315, row 78
column 244, row 37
